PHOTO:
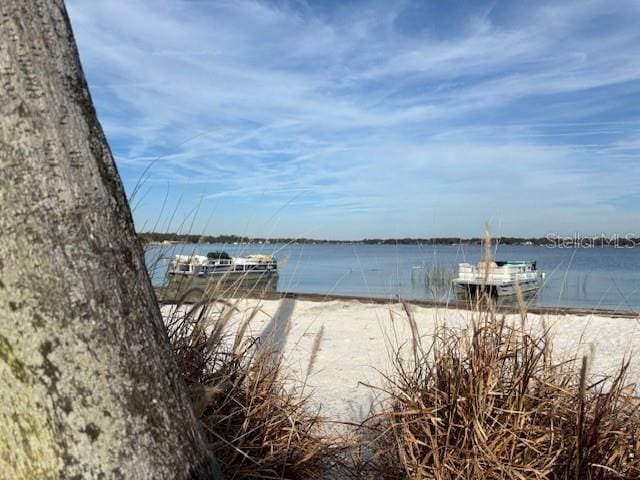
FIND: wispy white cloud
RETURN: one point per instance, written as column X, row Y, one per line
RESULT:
column 358, row 117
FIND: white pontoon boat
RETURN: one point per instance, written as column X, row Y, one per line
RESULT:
column 222, row 265
column 498, row 278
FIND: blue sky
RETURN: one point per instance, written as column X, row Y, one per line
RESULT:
column 370, row 119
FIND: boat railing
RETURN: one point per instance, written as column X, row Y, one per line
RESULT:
column 474, row 274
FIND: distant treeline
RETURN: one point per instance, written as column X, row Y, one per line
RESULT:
column 551, row 240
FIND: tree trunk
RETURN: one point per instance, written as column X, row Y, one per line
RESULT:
column 88, row 384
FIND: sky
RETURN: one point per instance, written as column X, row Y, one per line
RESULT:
column 350, row 120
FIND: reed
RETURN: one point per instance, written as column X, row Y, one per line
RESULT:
column 257, row 425
column 315, row 349
column 490, row 402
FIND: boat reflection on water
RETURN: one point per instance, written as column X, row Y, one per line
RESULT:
column 477, row 298
column 194, row 289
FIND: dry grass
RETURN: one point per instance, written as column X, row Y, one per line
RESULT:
column 490, row 402
column 486, row 402
column 257, row 426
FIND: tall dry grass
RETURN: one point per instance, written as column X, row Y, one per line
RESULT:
column 491, row 402
column 257, row 425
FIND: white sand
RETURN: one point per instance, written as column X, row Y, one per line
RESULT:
column 357, row 336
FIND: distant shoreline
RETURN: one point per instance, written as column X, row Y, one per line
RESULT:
column 158, row 238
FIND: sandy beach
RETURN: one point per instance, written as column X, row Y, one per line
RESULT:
column 357, row 338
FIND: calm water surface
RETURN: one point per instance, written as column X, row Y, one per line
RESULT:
column 578, row 277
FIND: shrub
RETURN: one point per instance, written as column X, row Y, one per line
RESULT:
column 257, row 425
column 489, row 402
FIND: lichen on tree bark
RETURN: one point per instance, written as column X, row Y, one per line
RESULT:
column 88, row 384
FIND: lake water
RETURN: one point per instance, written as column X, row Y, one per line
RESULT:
column 601, row 277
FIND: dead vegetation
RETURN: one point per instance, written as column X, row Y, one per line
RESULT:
column 257, row 427
column 485, row 402
column 490, row 402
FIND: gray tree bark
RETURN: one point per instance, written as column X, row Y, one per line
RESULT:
column 88, row 384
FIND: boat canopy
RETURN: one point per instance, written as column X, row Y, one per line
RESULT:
column 502, row 263
column 218, row 255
